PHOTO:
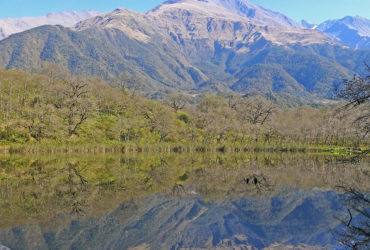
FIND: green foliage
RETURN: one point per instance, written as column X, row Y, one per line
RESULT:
column 46, row 110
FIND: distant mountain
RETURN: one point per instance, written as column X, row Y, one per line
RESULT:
column 308, row 25
column 10, row 26
column 193, row 45
column 351, row 31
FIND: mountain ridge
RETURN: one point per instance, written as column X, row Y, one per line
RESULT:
column 191, row 48
column 241, row 8
column 9, row 26
column 351, row 31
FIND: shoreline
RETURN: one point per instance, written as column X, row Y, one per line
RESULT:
column 177, row 148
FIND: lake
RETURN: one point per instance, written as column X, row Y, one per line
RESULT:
column 180, row 201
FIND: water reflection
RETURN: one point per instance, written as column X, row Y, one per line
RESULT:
column 174, row 201
column 354, row 232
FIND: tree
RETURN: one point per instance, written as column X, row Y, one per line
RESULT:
column 356, row 234
column 121, row 81
column 76, row 104
column 54, row 72
column 256, row 110
column 356, row 93
column 215, row 117
column 128, row 82
column 176, row 101
column 160, row 120
column 38, row 117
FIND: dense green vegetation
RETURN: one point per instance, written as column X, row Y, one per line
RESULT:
column 58, row 109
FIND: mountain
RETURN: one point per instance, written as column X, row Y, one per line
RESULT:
column 193, row 45
column 11, row 26
column 308, row 25
column 242, row 8
column 299, row 220
column 351, row 31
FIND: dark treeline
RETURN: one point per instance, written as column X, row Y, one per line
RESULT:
column 55, row 107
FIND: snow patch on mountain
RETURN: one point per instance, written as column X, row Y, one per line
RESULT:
column 232, row 9
column 351, row 31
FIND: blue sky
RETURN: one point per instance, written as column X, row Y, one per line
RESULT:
column 312, row 10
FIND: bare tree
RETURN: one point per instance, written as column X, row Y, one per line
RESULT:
column 53, row 72
column 233, row 100
column 76, row 104
column 176, row 101
column 356, row 93
column 121, row 81
column 255, row 110
column 128, row 82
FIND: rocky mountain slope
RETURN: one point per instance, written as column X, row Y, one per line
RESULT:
column 351, row 31
column 193, row 45
column 243, row 8
column 9, row 26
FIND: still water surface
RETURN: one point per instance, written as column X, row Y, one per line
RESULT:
column 176, row 201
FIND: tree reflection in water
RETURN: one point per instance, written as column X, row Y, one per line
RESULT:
column 210, row 200
column 355, row 232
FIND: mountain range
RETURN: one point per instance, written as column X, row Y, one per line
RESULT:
column 194, row 45
column 9, row 26
column 353, row 32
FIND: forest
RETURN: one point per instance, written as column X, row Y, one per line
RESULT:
column 53, row 108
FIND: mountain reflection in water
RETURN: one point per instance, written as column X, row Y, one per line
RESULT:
column 174, row 201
